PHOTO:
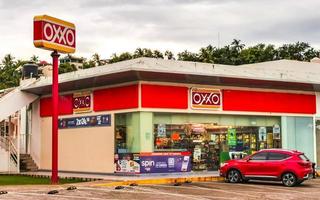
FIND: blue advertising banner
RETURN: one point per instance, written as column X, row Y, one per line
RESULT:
column 165, row 162
column 85, row 121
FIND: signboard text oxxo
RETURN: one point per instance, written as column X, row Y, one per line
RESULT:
column 206, row 98
column 81, row 102
column 54, row 34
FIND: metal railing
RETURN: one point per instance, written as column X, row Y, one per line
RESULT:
column 8, row 144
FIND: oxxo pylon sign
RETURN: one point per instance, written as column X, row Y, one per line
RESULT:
column 54, row 34
column 60, row 37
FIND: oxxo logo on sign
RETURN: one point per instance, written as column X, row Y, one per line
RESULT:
column 81, row 102
column 54, row 34
column 206, row 98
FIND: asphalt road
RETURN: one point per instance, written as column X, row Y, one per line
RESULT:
column 204, row 190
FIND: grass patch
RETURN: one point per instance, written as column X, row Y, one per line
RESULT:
column 29, row 180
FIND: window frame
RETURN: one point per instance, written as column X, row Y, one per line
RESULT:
column 266, row 158
column 279, row 153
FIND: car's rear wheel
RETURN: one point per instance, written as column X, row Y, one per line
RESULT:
column 289, row 179
column 234, row 176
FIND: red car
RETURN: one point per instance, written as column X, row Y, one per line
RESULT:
column 290, row 167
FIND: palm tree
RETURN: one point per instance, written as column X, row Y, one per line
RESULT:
column 169, row 55
column 34, row 59
column 237, row 45
column 8, row 60
column 157, row 54
column 138, row 53
column 96, row 59
column 206, row 54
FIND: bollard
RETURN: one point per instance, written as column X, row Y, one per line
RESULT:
column 119, row 187
column 72, row 188
column 53, row 192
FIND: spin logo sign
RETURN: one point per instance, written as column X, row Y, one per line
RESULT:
column 54, row 34
column 206, row 98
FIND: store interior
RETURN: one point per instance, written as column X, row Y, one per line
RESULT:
column 212, row 144
column 211, row 139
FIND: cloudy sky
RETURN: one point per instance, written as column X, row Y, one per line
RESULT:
column 114, row 26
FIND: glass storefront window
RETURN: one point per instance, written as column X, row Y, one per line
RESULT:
column 120, row 133
column 170, row 137
column 211, row 142
column 211, row 139
column 127, row 133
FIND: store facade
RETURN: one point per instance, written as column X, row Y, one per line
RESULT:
column 155, row 126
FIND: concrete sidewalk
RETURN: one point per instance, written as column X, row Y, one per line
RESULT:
column 120, row 179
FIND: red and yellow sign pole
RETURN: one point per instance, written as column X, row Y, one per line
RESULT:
column 59, row 36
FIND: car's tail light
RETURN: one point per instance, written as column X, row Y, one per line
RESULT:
column 305, row 164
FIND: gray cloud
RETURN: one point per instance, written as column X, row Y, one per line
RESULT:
column 108, row 26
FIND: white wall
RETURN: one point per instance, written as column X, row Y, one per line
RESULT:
column 35, row 144
column 23, row 131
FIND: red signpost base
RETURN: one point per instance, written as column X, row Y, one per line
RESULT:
column 55, row 108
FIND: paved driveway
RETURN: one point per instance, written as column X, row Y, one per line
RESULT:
column 204, row 190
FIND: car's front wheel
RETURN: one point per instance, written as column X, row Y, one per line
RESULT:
column 289, row 179
column 234, row 176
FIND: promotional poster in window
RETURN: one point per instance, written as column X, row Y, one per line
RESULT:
column 163, row 162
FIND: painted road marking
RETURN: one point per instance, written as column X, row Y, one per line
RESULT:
column 57, row 196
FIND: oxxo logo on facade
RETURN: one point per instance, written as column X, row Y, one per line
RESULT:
column 81, row 102
column 206, row 98
column 54, row 34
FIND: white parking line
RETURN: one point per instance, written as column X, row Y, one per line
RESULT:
column 57, row 196
column 156, row 191
column 211, row 189
column 272, row 187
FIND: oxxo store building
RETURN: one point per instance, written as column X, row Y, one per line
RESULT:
column 151, row 116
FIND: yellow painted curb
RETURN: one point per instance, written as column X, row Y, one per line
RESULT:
column 162, row 181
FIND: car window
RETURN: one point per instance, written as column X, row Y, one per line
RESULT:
column 259, row 156
column 303, row 157
column 277, row 156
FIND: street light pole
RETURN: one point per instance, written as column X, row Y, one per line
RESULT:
column 55, row 114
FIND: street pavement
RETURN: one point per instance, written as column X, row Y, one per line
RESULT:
column 200, row 191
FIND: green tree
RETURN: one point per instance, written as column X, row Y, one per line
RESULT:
column 298, row 51
column 66, row 67
column 34, row 59
column 169, row 55
column 145, row 52
column 122, row 57
column 258, row 53
column 188, row 56
column 138, row 53
column 157, row 54
column 96, row 59
column 9, row 73
column 207, row 54
column 88, row 64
